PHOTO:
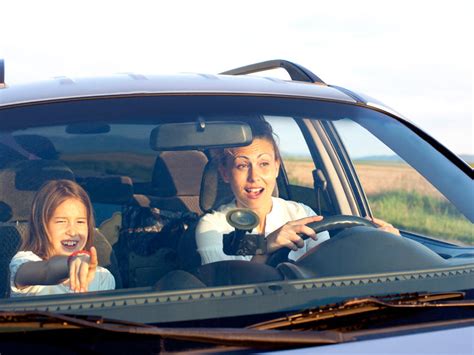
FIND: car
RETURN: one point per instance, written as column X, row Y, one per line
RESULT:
column 145, row 148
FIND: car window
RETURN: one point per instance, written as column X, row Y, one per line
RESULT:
column 294, row 151
column 398, row 193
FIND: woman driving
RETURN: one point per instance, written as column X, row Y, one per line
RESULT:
column 251, row 172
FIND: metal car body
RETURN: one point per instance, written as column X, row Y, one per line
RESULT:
column 110, row 134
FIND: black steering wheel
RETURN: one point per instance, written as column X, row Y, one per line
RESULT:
column 326, row 224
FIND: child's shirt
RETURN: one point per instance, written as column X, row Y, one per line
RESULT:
column 103, row 279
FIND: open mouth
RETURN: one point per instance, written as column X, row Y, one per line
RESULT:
column 69, row 244
column 254, row 192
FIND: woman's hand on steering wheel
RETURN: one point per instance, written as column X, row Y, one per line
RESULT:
column 292, row 234
column 385, row 226
column 317, row 224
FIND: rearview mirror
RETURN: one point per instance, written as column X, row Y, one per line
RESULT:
column 200, row 135
column 88, row 128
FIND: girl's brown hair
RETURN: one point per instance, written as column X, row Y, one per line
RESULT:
column 47, row 199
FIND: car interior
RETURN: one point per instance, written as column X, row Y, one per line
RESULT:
column 145, row 228
column 151, row 231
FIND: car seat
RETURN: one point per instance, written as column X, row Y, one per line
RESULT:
column 109, row 195
column 176, row 180
column 213, row 193
column 152, row 226
column 11, row 236
column 20, row 181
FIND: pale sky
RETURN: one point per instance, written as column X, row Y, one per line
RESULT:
column 416, row 56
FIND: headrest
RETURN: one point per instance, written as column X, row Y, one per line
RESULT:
column 9, row 155
column 30, row 175
column 20, row 181
column 40, row 146
column 178, row 173
column 108, row 189
column 214, row 191
column 23, row 145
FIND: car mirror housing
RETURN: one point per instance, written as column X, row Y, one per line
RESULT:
column 88, row 128
column 200, row 135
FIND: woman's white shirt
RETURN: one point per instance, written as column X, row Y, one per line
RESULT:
column 103, row 279
column 212, row 227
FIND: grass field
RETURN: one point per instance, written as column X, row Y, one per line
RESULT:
column 423, row 214
column 400, row 195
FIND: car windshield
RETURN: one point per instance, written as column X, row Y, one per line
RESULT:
column 151, row 185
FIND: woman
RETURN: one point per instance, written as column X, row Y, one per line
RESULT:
column 251, row 172
column 58, row 256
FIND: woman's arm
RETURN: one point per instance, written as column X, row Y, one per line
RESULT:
column 289, row 236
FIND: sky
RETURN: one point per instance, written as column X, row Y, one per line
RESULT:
column 415, row 56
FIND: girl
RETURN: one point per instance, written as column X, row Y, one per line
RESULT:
column 58, row 256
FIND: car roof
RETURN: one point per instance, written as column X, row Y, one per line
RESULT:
column 304, row 84
column 138, row 84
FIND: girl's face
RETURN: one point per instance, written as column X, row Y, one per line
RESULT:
column 251, row 172
column 68, row 227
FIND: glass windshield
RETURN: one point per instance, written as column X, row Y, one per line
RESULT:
column 162, row 217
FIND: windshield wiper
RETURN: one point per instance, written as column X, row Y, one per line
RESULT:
column 364, row 305
column 241, row 337
column 263, row 335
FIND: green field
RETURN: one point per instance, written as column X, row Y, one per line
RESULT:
column 423, row 214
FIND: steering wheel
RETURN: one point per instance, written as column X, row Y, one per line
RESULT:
column 326, row 224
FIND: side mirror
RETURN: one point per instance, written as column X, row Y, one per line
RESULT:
column 239, row 242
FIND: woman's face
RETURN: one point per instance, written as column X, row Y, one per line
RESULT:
column 68, row 227
column 251, row 172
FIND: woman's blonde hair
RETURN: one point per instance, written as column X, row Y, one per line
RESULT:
column 47, row 199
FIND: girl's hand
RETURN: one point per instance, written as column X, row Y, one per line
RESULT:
column 287, row 235
column 82, row 270
column 385, row 226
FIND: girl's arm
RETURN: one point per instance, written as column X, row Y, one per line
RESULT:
column 80, row 270
column 47, row 272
